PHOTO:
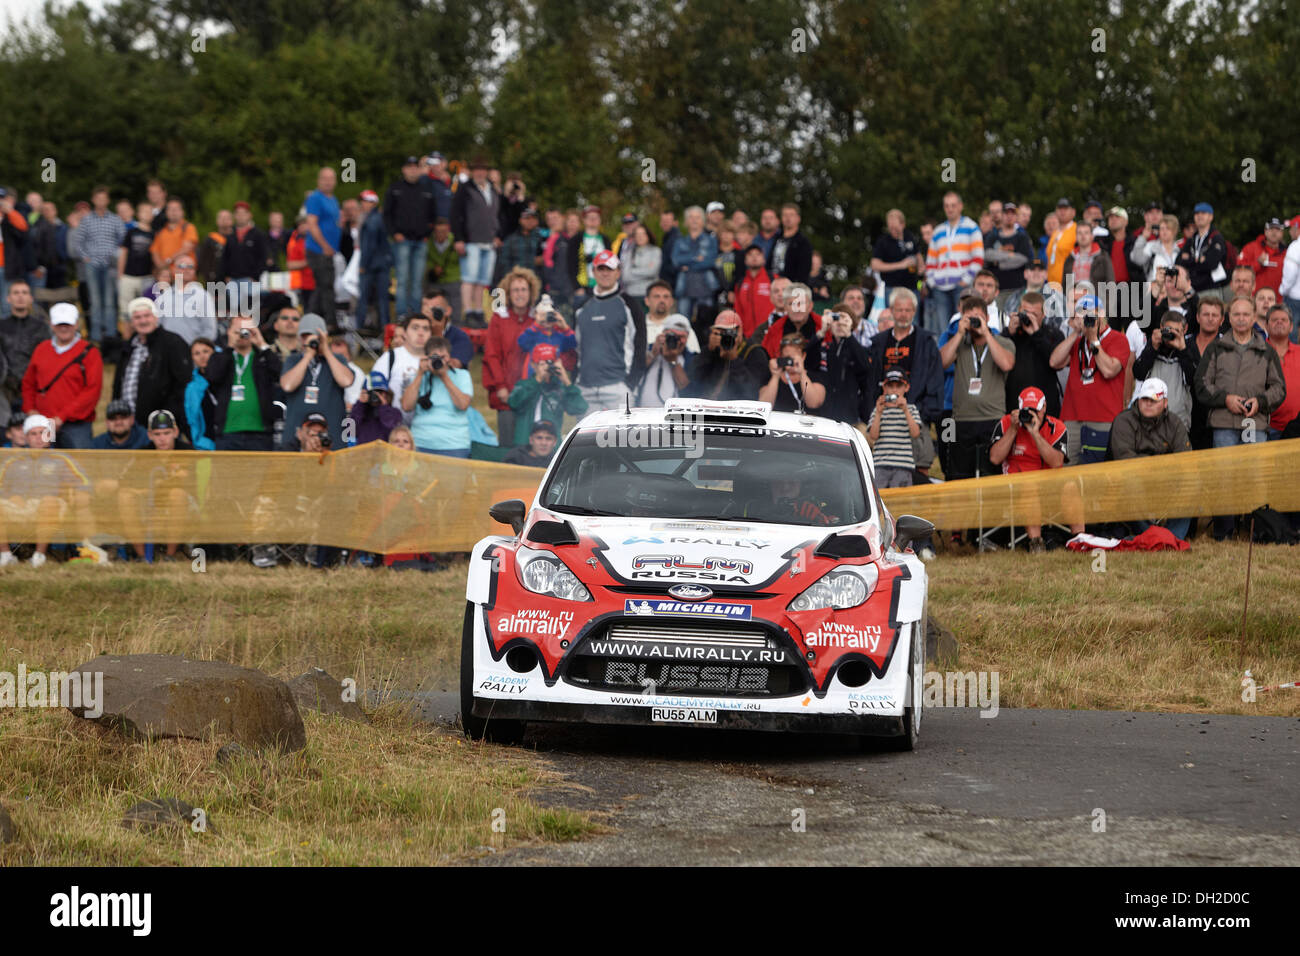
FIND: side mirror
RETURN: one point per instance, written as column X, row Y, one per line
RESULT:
column 908, row 528
column 511, row 512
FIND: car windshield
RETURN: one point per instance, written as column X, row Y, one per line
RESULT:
column 741, row 473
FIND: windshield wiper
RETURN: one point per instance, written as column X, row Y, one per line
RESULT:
column 581, row 510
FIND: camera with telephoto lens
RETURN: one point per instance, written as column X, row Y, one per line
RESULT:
column 784, row 362
column 437, row 363
column 1026, row 417
column 1168, row 335
column 672, row 340
column 727, row 339
column 975, row 322
column 1023, row 317
column 439, row 313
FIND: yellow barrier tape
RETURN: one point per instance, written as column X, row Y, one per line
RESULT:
column 379, row 498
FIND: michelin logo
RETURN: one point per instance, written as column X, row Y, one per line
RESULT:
column 732, row 612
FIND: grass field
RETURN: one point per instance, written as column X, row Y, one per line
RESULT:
column 1149, row 632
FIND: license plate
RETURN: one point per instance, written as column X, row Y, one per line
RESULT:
column 683, row 715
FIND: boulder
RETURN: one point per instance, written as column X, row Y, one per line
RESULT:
column 8, row 832
column 940, row 643
column 161, row 695
column 317, row 690
column 151, row 815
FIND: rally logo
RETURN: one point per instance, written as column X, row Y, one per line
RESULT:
column 675, row 562
column 646, row 608
column 715, row 542
column 536, row 623
column 864, row 637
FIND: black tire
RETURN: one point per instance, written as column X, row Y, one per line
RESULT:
column 907, row 740
column 480, row 728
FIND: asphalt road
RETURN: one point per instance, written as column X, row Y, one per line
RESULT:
column 1024, row 787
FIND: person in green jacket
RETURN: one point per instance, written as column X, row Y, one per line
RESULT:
column 545, row 395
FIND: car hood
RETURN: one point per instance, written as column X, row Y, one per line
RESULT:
column 666, row 552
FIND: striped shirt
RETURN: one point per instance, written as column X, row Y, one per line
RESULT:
column 99, row 237
column 955, row 255
column 894, row 446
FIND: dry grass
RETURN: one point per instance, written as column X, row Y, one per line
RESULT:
column 1151, row 632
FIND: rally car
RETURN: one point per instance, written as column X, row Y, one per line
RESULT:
column 706, row 564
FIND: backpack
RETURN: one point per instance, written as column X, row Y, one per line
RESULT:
column 1272, row 527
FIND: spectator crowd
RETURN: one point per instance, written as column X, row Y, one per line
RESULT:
column 986, row 345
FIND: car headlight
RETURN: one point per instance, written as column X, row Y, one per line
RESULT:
column 841, row 588
column 545, row 574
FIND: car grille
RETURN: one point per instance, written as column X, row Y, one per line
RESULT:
column 706, row 659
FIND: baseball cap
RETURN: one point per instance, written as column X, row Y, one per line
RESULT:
column 1274, row 223
column 1152, row 388
column 436, row 157
column 1088, row 302
column 411, row 161
column 118, row 408
column 1152, row 205
column 629, row 218
column 1118, row 211
column 311, row 322
column 1091, row 203
column 1033, row 398
column 1203, row 207
column 897, row 374
column 242, row 203
column 606, row 260
column 543, row 353
column 678, row 322
column 590, row 207
column 1008, row 204
column 3, row 192
column 1063, row 202
column 378, row 382
column 369, row 195
column 528, row 213
column 161, row 418
column 16, row 419
column 316, row 418
column 63, row 313
column 727, row 319
column 715, row 206
column 542, row 425
column 1294, row 222
column 34, row 421
column 1036, row 263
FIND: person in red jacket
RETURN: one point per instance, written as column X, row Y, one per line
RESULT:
column 1265, row 256
column 800, row 318
column 64, row 378
column 503, row 359
column 754, row 293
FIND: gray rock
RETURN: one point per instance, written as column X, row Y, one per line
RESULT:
column 232, row 751
column 160, row 695
column 8, row 832
column 151, row 815
column 317, row 690
column 940, row 643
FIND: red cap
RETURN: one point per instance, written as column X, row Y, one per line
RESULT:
column 1295, row 221
column 727, row 319
column 543, row 353
column 244, row 204
column 369, row 195
column 606, row 259
column 1033, row 398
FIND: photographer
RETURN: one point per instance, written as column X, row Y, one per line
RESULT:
column 1167, row 358
column 243, row 379
column 668, row 364
column 400, row 365
column 981, row 361
column 1147, row 428
column 438, row 400
column 791, row 386
column 799, row 319
column 729, row 368
column 436, row 307
column 847, row 369
column 1096, row 356
column 550, row 328
column 313, row 380
column 545, row 396
column 1029, row 440
column 373, row 414
column 1035, row 343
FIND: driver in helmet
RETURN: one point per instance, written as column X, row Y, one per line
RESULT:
column 789, row 500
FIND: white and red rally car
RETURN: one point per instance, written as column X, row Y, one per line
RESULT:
column 707, row 563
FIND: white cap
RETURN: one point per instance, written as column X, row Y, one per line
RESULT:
column 715, row 206
column 1153, row 388
column 63, row 313
column 35, row 421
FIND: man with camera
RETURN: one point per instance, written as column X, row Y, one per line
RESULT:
column 243, row 379
column 1029, row 440
column 546, row 395
column 981, row 360
column 799, row 319
column 729, row 368
column 792, row 386
column 314, row 379
column 1035, row 343
column 1167, row 359
column 1147, row 428
column 667, row 363
column 436, row 307
column 438, row 400
column 1096, row 357
column 400, row 365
